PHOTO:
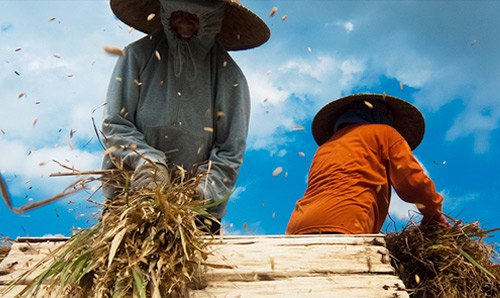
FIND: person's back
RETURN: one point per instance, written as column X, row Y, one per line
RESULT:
column 349, row 175
column 350, row 179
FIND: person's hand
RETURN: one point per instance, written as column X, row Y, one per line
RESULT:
column 199, row 194
column 149, row 175
column 437, row 220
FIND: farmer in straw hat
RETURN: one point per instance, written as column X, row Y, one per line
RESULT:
column 365, row 147
column 179, row 97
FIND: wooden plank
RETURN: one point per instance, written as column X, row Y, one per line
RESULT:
column 24, row 256
column 376, row 239
column 243, row 261
column 12, row 293
column 360, row 239
column 305, row 236
column 262, row 266
column 339, row 285
column 363, row 286
column 17, row 289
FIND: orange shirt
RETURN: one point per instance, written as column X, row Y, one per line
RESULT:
column 349, row 185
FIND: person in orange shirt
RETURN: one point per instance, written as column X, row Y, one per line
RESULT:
column 365, row 147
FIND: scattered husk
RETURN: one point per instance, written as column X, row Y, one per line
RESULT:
column 148, row 243
column 445, row 261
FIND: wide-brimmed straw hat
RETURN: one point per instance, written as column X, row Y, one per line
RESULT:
column 407, row 119
column 241, row 29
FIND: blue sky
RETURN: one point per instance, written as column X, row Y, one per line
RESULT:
column 442, row 56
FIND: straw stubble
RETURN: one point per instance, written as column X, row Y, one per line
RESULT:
column 445, row 261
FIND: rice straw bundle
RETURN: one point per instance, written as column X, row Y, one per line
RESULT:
column 445, row 261
column 147, row 244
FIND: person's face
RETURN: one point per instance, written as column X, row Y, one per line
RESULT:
column 185, row 24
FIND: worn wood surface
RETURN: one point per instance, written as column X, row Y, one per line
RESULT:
column 341, row 286
column 17, row 289
column 23, row 256
column 264, row 266
column 334, row 285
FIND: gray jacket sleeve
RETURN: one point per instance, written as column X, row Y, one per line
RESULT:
column 119, row 115
column 232, row 112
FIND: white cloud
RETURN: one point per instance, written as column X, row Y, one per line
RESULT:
column 37, row 64
column 453, row 202
column 478, row 121
column 269, row 111
column 447, row 64
column 400, row 209
column 64, row 75
column 279, row 100
column 53, row 236
column 348, row 26
column 317, row 69
column 437, row 59
column 53, row 99
column 264, row 89
column 33, row 166
column 350, row 68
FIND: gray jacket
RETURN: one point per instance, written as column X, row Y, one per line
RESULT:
column 183, row 118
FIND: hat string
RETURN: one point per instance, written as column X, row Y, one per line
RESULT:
column 184, row 54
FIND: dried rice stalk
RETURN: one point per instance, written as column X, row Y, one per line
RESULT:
column 147, row 244
column 446, row 262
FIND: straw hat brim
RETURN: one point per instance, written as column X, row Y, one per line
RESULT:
column 407, row 119
column 241, row 28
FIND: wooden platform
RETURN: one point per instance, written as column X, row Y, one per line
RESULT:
column 264, row 266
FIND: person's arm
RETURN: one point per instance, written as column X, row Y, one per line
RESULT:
column 232, row 113
column 119, row 115
column 411, row 183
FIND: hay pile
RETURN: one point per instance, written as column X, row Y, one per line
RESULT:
column 147, row 244
column 445, row 261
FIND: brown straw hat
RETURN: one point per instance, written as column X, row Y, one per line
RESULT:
column 407, row 119
column 241, row 28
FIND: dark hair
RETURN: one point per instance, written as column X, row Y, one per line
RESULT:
column 373, row 111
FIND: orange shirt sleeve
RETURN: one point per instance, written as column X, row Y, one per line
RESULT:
column 410, row 181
